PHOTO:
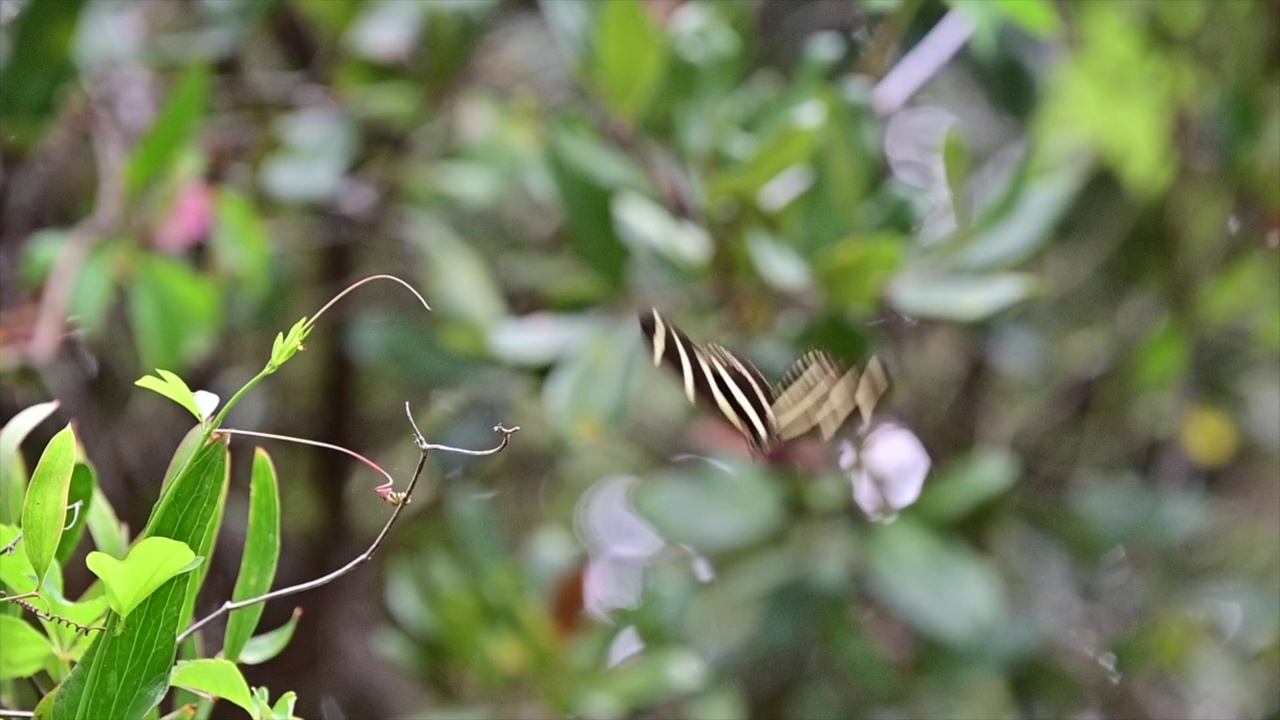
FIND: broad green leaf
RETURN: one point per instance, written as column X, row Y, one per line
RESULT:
column 186, row 450
column 13, row 473
column 539, row 339
column 71, row 644
column 712, row 509
column 175, row 313
column 171, row 386
column 109, row 534
column 586, row 173
column 268, row 645
column 654, row 676
column 15, row 570
column 177, row 122
column 44, row 512
column 778, row 263
column 219, row 678
column 25, row 649
column 261, row 553
column 37, row 66
column 1013, row 234
column 125, row 673
column 149, row 564
column 855, row 271
column 459, row 279
column 940, row 586
column 283, row 709
column 631, row 56
column 84, row 484
column 980, row 476
column 960, row 298
column 644, row 224
column 587, row 392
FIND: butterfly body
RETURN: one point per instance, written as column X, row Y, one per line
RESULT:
column 816, row 393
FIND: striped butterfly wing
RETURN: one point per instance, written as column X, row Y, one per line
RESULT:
column 816, row 392
column 716, row 377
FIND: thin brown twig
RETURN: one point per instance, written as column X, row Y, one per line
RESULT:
column 373, row 547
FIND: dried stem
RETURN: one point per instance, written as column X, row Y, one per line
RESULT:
column 373, row 547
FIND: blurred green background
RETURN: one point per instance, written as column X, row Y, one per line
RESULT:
column 1064, row 241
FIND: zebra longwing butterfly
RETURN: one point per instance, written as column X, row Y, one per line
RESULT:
column 816, row 392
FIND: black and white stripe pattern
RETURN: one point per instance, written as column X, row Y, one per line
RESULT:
column 816, row 392
column 717, row 377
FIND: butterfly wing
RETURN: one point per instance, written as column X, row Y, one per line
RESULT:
column 817, row 393
column 716, row 377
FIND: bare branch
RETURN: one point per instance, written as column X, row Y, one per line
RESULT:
column 365, row 556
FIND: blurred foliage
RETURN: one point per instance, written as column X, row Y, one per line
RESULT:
column 1065, row 246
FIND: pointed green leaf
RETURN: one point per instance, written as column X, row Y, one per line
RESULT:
column 126, row 671
column 45, row 511
column 261, row 553
column 172, row 387
column 283, row 709
column 16, row 574
column 266, row 646
column 109, row 534
column 149, row 565
column 177, row 122
column 13, row 473
column 631, row 57
column 219, row 678
column 25, row 649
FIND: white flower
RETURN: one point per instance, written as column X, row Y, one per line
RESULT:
column 887, row 468
column 206, row 403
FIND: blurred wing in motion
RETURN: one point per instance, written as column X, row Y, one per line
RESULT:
column 814, row 393
column 717, row 377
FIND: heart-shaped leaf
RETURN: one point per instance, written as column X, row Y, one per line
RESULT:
column 149, row 565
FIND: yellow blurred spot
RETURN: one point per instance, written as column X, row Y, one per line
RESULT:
column 1209, row 437
column 589, row 429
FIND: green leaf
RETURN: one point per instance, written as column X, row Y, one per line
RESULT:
column 186, row 450
column 13, row 472
column 646, row 225
column 960, row 298
column 26, row 650
column 241, row 246
column 1013, row 234
column 71, row 645
column 172, row 387
column 283, row 709
column 45, row 511
column 109, row 534
column 149, row 564
column 125, row 673
column 83, row 485
column 939, row 586
column 175, row 312
column 219, row 678
column 977, row 478
column 712, row 509
column 261, row 553
column 459, row 278
column 586, row 173
column 178, row 121
column 855, row 271
column 37, row 66
column 268, row 645
column 587, row 392
column 15, row 570
column 631, row 57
